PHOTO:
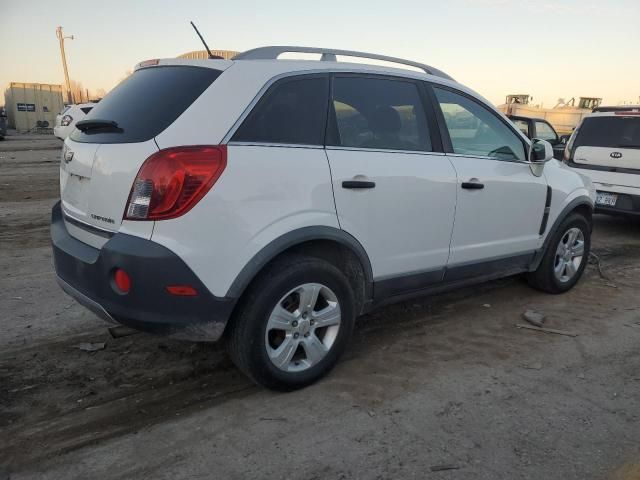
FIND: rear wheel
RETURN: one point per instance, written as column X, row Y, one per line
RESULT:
column 293, row 324
column 565, row 258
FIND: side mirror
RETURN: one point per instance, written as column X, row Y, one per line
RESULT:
column 564, row 138
column 541, row 151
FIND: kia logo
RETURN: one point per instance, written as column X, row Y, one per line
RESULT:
column 615, row 155
column 68, row 156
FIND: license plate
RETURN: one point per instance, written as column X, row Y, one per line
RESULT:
column 608, row 199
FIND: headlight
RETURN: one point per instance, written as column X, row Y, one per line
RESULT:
column 66, row 120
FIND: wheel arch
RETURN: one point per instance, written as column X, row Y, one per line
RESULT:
column 328, row 243
column 582, row 205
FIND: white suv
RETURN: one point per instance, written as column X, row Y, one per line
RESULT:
column 606, row 147
column 270, row 202
column 67, row 118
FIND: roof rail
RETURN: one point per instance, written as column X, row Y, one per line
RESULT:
column 329, row 55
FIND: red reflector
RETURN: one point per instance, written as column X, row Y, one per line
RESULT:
column 122, row 281
column 182, row 290
column 172, row 181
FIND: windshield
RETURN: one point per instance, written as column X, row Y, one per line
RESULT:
column 611, row 132
column 146, row 103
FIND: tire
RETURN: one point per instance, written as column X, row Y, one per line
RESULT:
column 546, row 277
column 255, row 336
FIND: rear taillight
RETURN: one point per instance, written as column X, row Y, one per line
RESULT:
column 66, row 120
column 172, row 181
column 567, row 157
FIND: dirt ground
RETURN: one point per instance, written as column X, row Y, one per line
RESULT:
column 445, row 387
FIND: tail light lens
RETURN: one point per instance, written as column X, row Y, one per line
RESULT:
column 566, row 156
column 172, row 181
column 66, row 120
column 569, row 150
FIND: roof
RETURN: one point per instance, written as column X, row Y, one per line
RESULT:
column 37, row 86
column 261, row 70
column 621, row 113
column 616, row 108
column 328, row 61
column 538, row 119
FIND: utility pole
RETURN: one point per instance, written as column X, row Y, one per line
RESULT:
column 61, row 38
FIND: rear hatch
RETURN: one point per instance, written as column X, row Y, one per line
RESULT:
column 103, row 155
column 609, row 143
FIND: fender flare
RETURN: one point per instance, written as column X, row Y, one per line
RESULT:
column 564, row 213
column 296, row 237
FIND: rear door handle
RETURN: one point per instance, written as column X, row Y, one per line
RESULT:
column 358, row 184
column 472, row 185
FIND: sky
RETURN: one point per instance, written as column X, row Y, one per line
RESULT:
column 548, row 49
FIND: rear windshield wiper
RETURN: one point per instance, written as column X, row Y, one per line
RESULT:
column 96, row 123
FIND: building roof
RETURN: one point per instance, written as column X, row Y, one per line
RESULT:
column 203, row 55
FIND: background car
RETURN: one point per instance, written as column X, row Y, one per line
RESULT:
column 3, row 123
column 67, row 118
column 606, row 147
column 540, row 128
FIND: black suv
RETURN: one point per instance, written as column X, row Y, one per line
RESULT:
column 540, row 128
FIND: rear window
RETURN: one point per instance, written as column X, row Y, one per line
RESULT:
column 612, row 132
column 293, row 111
column 146, row 103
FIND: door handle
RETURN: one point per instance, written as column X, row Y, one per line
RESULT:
column 472, row 185
column 358, row 184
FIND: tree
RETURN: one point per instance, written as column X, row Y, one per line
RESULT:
column 78, row 93
column 99, row 93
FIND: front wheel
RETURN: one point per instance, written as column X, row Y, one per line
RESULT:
column 293, row 323
column 566, row 256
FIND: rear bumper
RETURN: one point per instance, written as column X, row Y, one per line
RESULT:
column 626, row 204
column 86, row 273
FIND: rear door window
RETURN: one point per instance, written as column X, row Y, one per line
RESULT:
column 378, row 113
column 146, row 103
column 612, row 132
column 292, row 111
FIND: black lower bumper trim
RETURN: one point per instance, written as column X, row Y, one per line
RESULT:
column 86, row 274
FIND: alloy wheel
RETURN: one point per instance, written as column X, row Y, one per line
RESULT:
column 569, row 255
column 302, row 327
